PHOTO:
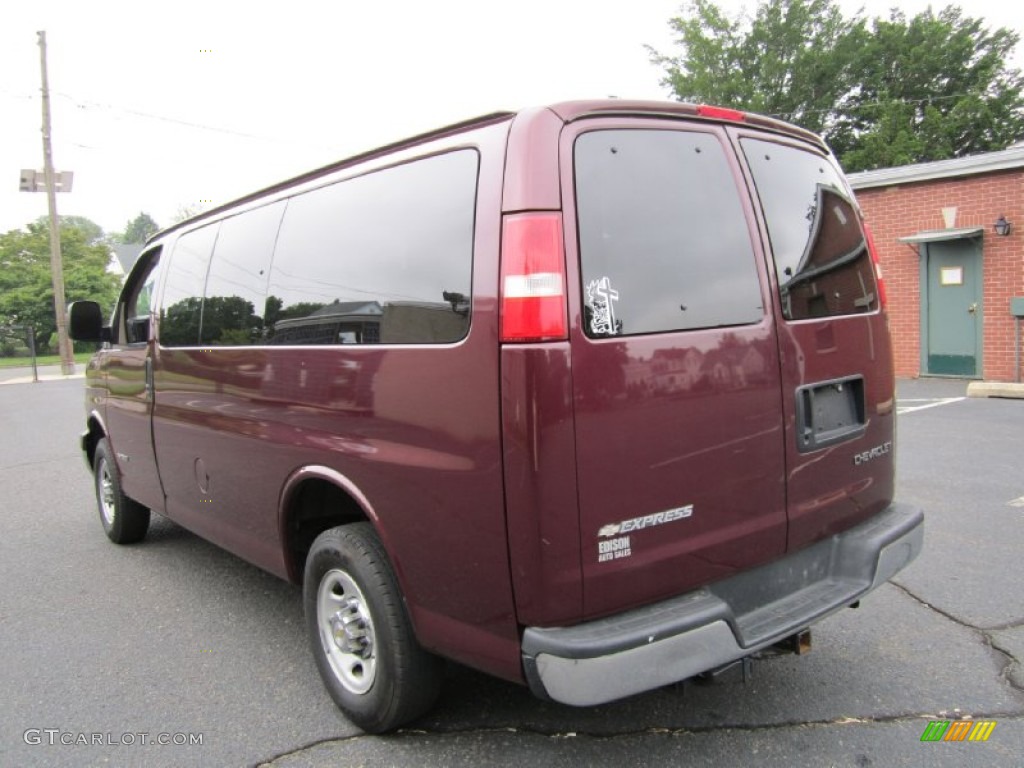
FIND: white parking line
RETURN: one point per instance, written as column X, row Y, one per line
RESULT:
column 934, row 402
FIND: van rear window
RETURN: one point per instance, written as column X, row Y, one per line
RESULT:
column 821, row 257
column 664, row 243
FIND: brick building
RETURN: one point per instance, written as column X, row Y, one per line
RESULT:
column 949, row 274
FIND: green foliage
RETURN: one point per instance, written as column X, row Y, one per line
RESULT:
column 230, row 320
column 92, row 231
column 932, row 87
column 139, row 229
column 887, row 93
column 795, row 56
column 26, row 287
column 226, row 321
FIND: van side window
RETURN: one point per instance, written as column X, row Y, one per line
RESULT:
column 821, row 257
column 384, row 258
column 236, row 288
column 659, row 242
column 182, row 305
column 137, row 301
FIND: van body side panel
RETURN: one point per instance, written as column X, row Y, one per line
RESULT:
column 128, row 415
column 836, row 353
column 538, row 436
column 414, row 427
column 540, row 482
column 530, row 183
column 678, row 426
column 220, row 453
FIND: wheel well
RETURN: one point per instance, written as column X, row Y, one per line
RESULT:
column 314, row 507
column 93, row 438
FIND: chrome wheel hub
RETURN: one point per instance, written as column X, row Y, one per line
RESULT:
column 348, row 627
column 106, row 494
column 346, row 631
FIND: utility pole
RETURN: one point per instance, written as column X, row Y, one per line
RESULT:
column 67, row 358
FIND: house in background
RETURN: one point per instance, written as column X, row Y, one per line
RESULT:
column 123, row 257
column 950, row 238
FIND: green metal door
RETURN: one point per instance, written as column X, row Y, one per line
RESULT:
column 951, row 307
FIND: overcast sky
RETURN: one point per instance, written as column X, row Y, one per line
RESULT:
column 162, row 105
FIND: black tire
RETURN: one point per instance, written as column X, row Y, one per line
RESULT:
column 360, row 633
column 124, row 520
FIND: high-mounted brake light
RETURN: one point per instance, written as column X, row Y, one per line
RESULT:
column 883, row 299
column 533, row 303
column 722, row 113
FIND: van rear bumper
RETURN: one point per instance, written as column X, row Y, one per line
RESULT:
column 649, row 647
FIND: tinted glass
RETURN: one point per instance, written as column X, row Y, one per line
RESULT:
column 137, row 299
column 664, row 242
column 236, row 288
column 382, row 258
column 821, row 257
column 181, row 309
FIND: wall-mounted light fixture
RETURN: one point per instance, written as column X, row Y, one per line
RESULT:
column 1002, row 226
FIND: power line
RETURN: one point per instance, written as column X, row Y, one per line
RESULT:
column 85, row 104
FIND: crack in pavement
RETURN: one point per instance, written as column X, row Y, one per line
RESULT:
column 652, row 731
column 39, row 462
column 1008, row 669
column 955, row 619
column 985, row 632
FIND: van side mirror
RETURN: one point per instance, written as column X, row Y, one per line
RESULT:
column 85, row 321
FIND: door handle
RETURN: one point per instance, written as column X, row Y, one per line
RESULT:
column 973, row 308
column 149, row 378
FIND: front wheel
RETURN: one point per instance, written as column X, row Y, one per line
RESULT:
column 125, row 521
column 361, row 637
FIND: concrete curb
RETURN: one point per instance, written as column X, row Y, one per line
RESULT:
column 995, row 389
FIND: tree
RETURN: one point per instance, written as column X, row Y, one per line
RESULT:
column 901, row 91
column 92, row 231
column 188, row 211
column 931, row 88
column 26, row 288
column 139, row 229
column 794, row 59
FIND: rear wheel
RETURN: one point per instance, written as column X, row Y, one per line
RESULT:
column 360, row 634
column 125, row 521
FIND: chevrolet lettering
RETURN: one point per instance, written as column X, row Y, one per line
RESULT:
column 875, row 453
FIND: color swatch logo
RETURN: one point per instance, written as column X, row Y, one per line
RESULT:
column 958, row 730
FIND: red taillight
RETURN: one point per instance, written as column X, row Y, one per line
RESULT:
column 883, row 300
column 533, row 304
column 721, row 113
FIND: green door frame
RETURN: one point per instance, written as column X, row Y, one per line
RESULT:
column 976, row 242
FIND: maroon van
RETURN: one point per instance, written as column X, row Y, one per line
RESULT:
column 593, row 397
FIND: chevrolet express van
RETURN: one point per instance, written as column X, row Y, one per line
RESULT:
column 593, row 397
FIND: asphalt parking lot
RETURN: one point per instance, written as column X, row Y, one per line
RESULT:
column 175, row 637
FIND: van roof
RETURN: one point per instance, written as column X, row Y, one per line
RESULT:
column 567, row 111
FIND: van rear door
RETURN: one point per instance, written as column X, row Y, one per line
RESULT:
column 837, row 371
column 675, row 362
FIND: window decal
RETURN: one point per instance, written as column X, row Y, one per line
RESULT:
column 601, row 298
